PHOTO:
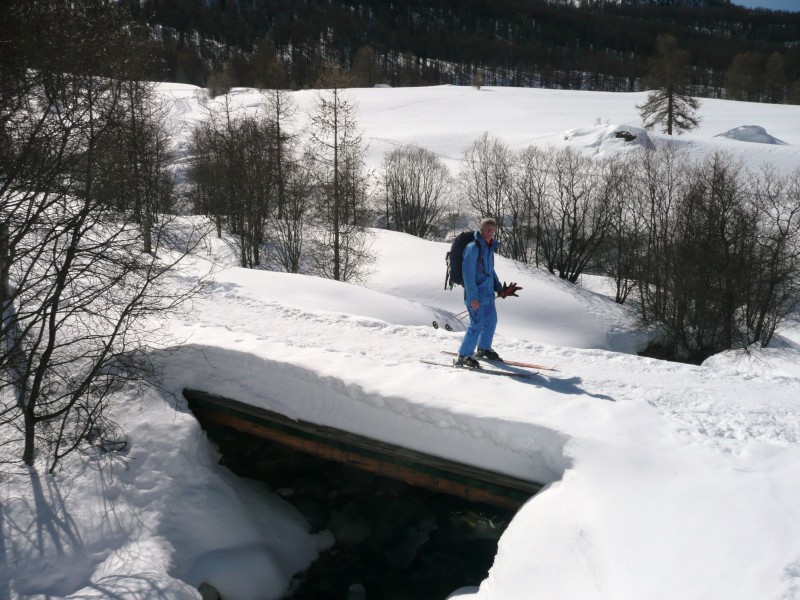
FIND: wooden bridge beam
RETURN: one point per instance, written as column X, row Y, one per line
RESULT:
column 388, row 460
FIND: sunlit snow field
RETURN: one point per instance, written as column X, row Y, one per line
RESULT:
column 666, row 481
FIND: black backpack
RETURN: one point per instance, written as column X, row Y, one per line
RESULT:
column 455, row 259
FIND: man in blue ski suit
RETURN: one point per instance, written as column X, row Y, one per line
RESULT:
column 480, row 287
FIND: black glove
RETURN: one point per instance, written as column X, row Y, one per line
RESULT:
column 509, row 290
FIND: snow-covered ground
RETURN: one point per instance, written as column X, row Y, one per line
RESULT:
column 666, row 481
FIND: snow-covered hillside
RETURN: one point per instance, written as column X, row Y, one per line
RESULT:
column 665, row 480
column 447, row 119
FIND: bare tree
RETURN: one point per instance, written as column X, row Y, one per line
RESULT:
column 744, row 78
column 625, row 241
column 289, row 220
column 365, row 67
column 79, row 287
column 486, row 178
column 732, row 266
column 5, row 266
column 713, row 251
column 775, row 78
column 774, row 290
column 133, row 166
column 268, row 69
column 575, row 218
column 532, row 169
column 281, row 113
column 207, row 173
column 289, row 228
column 254, row 172
column 339, row 249
column 235, row 178
column 417, row 186
column 659, row 181
column 720, row 261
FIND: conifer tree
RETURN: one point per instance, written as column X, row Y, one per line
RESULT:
column 775, row 78
column 669, row 103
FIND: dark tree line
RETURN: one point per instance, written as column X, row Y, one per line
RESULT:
column 735, row 52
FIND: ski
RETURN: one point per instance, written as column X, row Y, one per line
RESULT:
column 511, row 363
column 481, row 369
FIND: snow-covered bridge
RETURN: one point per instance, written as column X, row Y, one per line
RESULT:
column 389, row 460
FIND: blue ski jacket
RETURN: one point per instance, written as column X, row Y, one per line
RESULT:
column 480, row 280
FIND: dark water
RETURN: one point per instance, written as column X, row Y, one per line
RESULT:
column 393, row 541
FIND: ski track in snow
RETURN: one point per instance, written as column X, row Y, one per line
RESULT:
column 697, row 398
column 535, row 450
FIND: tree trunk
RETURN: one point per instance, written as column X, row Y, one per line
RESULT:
column 30, row 430
column 337, row 202
column 5, row 260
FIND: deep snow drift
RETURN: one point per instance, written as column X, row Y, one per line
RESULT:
column 751, row 133
column 666, row 481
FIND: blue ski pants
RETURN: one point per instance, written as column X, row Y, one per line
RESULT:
column 482, row 323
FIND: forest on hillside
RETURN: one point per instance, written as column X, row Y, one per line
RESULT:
column 735, row 53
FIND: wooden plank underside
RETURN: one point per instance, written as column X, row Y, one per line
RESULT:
column 384, row 459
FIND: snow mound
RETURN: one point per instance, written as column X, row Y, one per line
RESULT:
column 609, row 139
column 751, row 133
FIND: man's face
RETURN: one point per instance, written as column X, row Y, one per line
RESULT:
column 487, row 233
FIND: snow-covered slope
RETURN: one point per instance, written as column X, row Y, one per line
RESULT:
column 666, row 481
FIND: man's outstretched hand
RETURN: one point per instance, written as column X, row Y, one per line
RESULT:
column 509, row 289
